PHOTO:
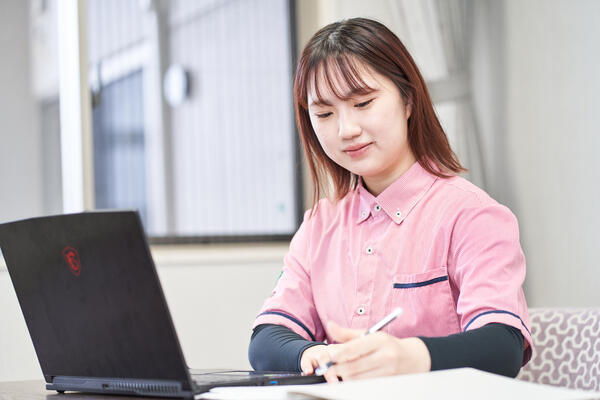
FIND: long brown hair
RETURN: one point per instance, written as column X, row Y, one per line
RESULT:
column 342, row 47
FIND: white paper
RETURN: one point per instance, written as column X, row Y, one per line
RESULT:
column 459, row 384
column 255, row 392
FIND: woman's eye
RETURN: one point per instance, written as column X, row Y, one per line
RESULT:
column 364, row 103
column 323, row 115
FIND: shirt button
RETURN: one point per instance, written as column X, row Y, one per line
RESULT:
column 369, row 250
column 399, row 214
column 360, row 310
column 364, row 213
column 377, row 207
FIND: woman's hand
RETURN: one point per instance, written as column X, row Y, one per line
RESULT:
column 378, row 354
column 316, row 355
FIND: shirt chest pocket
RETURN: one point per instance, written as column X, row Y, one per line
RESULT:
column 427, row 304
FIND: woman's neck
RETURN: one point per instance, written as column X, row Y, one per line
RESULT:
column 377, row 184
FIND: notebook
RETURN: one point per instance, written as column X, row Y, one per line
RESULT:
column 96, row 312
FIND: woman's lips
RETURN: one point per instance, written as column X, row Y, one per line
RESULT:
column 357, row 150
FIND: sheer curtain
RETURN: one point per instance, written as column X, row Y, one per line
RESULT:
column 438, row 34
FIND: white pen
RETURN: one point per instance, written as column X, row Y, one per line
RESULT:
column 378, row 326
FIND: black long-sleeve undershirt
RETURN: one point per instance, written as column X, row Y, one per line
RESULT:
column 277, row 348
column 495, row 347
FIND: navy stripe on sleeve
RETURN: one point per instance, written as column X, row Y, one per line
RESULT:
column 296, row 321
column 498, row 312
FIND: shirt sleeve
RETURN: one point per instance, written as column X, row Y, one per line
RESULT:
column 291, row 303
column 277, row 348
column 495, row 348
column 487, row 267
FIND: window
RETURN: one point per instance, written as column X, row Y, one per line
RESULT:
column 224, row 163
column 119, row 152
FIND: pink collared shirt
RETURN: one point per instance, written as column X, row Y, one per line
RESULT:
column 441, row 249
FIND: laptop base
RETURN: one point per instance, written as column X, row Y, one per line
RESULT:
column 136, row 387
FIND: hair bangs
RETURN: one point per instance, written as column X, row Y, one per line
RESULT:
column 342, row 76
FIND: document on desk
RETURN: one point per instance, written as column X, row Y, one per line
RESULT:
column 460, row 384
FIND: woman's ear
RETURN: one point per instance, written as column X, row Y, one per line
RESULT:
column 408, row 105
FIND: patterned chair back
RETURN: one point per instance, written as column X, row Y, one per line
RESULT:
column 566, row 348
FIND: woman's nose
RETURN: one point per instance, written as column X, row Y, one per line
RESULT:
column 348, row 127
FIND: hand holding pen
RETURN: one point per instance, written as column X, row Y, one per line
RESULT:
column 378, row 326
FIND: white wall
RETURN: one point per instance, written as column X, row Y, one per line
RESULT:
column 538, row 92
column 20, row 153
column 214, row 294
column 20, row 173
column 17, row 356
column 553, row 97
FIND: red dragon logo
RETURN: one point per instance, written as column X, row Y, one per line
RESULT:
column 72, row 258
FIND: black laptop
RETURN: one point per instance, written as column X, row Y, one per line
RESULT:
column 97, row 314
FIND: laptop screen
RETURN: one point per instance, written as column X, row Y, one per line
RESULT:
column 91, row 297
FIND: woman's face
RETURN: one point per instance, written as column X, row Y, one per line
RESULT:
column 365, row 134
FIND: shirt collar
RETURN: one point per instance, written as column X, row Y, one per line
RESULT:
column 398, row 199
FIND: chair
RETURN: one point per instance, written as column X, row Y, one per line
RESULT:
column 566, row 348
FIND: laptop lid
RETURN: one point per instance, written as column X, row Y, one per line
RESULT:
column 91, row 298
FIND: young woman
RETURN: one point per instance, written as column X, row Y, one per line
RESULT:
column 400, row 230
